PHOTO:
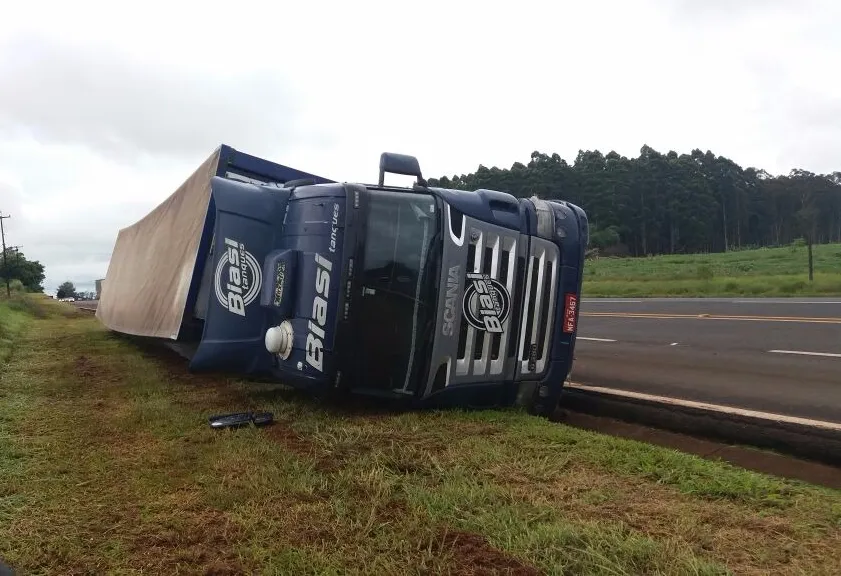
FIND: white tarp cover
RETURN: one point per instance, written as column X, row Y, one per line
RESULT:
column 145, row 289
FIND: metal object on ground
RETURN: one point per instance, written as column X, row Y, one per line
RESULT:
column 240, row 419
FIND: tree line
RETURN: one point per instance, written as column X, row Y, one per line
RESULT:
column 68, row 290
column 675, row 203
column 23, row 274
column 28, row 276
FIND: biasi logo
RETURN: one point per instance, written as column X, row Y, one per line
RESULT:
column 486, row 303
column 315, row 334
column 238, row 278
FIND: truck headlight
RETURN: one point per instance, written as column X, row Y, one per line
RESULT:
column 279, row 339
column 545, row 218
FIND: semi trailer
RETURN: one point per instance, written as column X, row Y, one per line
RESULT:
column 432, row 296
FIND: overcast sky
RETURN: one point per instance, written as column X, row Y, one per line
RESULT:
column 105, row 111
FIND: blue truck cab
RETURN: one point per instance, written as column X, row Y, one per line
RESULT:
column 421, row 294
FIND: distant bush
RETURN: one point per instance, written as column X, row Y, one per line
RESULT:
column 27, row 305
column 604, row 238
column 15, row 286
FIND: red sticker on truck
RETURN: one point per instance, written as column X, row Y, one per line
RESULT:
column 570, row 313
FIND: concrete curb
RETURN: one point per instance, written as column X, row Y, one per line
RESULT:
column 820, row 442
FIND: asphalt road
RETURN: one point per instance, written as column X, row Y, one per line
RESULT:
column 771, row 355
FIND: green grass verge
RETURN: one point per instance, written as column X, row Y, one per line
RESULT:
column 15, row 313
column 760, row 272
column 107, row 465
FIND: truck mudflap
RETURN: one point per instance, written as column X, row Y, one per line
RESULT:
column 247, row 221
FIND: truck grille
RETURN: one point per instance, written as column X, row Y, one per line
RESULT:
column 480, row 353
column 539, row 309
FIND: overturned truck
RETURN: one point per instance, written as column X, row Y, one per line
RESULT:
column 428, row 295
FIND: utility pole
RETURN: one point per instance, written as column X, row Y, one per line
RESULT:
column 16, row 260
column 5, row 268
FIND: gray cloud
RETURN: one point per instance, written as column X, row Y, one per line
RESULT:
column 78, row 248
column 116, row 118
column 123, row 109
column 10, row 198
column 809, row 130
column 816, row 112
column 76, row 110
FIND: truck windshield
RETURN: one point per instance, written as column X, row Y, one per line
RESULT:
column 398, row 289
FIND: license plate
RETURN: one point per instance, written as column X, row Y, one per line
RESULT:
column 570, row 313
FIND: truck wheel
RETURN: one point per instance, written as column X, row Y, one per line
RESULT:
column 544, row 402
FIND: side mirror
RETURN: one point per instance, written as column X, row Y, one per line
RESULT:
column 400, row 164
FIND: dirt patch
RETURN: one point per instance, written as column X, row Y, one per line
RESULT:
column 89, row 372
column 472, row 555
column 201, row 542
column 359, row 408
column 197, row 389
column 217, row 397
column 330, row 459
column 84, row 368
column 220, row 569
column 289, row 439
column 393, row 510
column 173, row 363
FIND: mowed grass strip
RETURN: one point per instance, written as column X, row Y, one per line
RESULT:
column 107, row 465
column 761, row 272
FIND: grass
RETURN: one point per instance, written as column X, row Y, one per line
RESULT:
column 107, row 465
column 759, row 272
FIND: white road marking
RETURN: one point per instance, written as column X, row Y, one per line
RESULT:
column 714, row 300
column 803, row 353
column 673, row 344
column 595, row 339
column 660, row 299
column 704, row 405
column 786, row 302
column 707, row 316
